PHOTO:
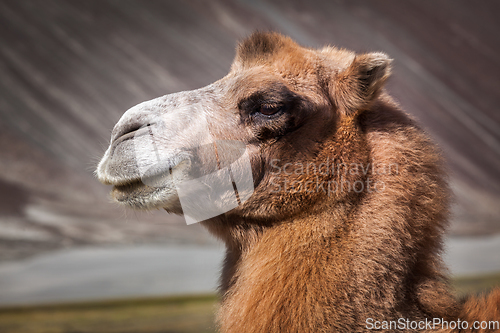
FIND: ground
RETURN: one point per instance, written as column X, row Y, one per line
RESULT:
column 190, row 314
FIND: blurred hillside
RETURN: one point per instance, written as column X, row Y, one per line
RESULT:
column 69, row 69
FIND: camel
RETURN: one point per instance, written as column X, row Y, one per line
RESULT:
column 342, row 228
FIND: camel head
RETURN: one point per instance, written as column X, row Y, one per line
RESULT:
column 232, row 146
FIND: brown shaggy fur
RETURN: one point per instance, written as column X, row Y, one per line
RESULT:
column 313, row 261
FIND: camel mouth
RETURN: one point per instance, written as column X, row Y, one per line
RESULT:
column 138, row 195
column 155, row 189
column 132, row 190
column 206, row 181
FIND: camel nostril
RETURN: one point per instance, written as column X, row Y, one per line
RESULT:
column 127, row 130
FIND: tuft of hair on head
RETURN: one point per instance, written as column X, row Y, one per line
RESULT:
column 260, row 46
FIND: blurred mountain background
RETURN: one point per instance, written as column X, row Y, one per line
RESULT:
column 69, row 69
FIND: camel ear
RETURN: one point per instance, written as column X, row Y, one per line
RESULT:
column 358, row 85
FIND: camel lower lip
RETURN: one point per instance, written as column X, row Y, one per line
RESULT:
column 140, row 195
column 123, row 193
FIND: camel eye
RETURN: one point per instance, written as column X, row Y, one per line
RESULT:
column 270, row 109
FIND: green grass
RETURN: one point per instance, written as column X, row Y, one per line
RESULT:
column 166, row 315
column 190, row 314
column 475, row 284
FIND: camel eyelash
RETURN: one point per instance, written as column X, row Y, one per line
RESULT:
column 264, row 105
